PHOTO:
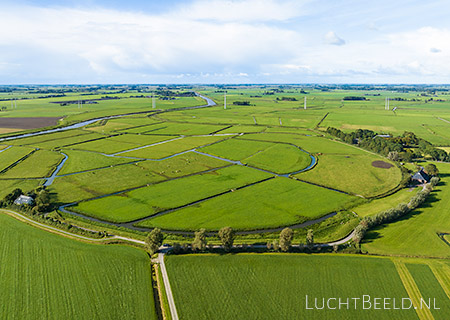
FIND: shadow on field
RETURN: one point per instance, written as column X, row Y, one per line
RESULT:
column 376, row 233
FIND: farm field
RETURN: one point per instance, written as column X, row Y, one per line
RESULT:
column 159, row 197
column 416, row 233
column 40, row 164
column 214, row 279
column 49, row 276
column 377, row 205
column 355, row 174
column 272, row 205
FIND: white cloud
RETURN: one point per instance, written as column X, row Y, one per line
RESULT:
column 332, row 38
column 242, row 10
column 435, row 50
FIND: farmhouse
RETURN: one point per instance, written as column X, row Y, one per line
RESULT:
column 420, row 177
column 21, row 200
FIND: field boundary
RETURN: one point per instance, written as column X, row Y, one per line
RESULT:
column 412, row 289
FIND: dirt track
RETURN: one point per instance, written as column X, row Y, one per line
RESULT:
column 28, row 123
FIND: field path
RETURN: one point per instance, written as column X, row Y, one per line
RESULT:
column 173, row 309
column 413, row 291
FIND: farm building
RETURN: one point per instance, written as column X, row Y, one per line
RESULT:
column 420, row 177
column 21, row 200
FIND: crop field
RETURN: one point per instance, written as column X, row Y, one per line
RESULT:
column 48, row 276
column 173, row 128
column 272, row 204
column 6, row 186
column 275, row 286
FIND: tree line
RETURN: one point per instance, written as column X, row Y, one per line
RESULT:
column 407, row 146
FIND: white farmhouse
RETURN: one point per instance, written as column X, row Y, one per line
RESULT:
column 21, row 200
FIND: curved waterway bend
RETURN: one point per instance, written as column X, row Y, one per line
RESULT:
column 209, row 103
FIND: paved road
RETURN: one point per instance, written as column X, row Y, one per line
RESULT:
column 173, row 309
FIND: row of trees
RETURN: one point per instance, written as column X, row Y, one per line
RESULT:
column 394, row 213
column 405, row 147
column 226, row 235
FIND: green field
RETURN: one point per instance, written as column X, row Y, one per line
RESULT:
column 416, row 233
column 166, row 195
column 274, row 286
column 48, row 276
column 38, row 165
column 272, row 205
column 354, row 174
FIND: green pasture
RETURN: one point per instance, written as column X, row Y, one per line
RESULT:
column 416, row 233
column 377, row 205
column 235, row 149
column 182, row 165
column 275, row 286
column 171, row 194
column 82, row 160
column 10, row 156
column 8, row 185
column 48, row 276
column 38, row 165
column 170, row 148
column 280, row 158
column 354, row 174
column 173, row 128
column 96, row 183
column 273, row 203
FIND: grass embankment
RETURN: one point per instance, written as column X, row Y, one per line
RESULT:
column 48, row 276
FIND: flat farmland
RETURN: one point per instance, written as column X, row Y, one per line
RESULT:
column 11, row 155
column 416, row 233
column 6, row 186
column 92, row 184
column 280, row 158
column 170, row 148
column 273, row 203
column 175, row 128
column 235, row 149
column 28, row 123
column 354, row 174
column 159, row 197
column 38, row 165
column 48, row 276
column 274, row 286
column 82, row 160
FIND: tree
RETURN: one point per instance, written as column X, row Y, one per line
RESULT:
column 154, row 240
column 42, row 201
column 310, row 238
column 434, row 181
column 199, row 242
column 431, row 170
column 286, row 239
column 359, row 233
column 10, row 198
column 393, row 156
column 226, row 235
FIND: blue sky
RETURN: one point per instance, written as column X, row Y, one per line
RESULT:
column 215, row 41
